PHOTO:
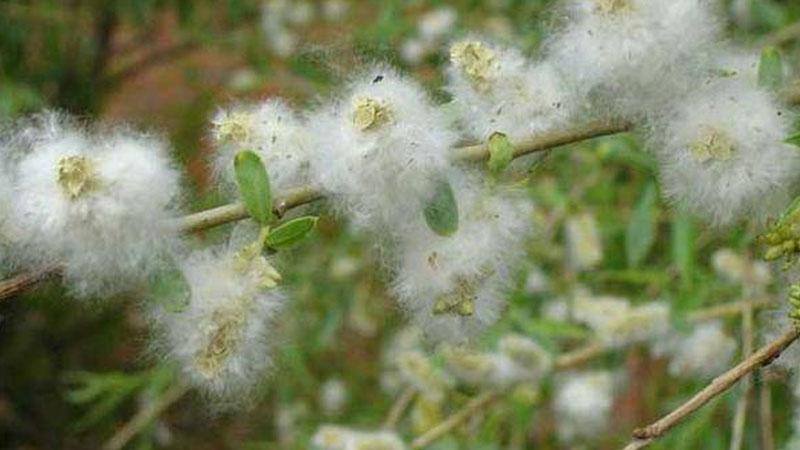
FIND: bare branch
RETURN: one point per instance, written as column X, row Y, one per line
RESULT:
column 145, row 416
column 399, row 408
column 473, row 406
column 719, row 385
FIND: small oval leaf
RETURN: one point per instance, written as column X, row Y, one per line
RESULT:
column 641, row 233
column 794, row 140
column 170, row 289
column 291, row 232
column 253, row 181
column 770, row 69
column 501, row 152
column 441, row 212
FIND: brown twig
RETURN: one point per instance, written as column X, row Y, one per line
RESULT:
column 719, row 385
column 473, row 406
column 307, row 194
column 399, row 408
column 784, row 35
column 14, row 285
column 144, row 417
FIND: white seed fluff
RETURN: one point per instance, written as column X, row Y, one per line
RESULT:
column 496, row 89
column 334, row 437
column 221, row 340
column 705, row 353
column 584, row 247
column 583, row 404
column 381, row 146
column 722, row 153
column 271, row 129
column 454, row 287
column 632, row 54
column 98, row 203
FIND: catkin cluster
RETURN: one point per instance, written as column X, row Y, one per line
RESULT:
column 99, row 202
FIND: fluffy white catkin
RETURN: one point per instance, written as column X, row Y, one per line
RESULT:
column 221, row 339
column 722, row 152
column 453, row 287
column 98, row 202
column 496, row 89
column 632, row 55
column 583, row 404
column 274, row 131
column 380, row 147
column 705, row 353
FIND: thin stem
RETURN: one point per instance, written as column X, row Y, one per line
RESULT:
column 765, row 414
column 740, row 415
column 581, row 355
column 306, row 194
column 784, row 35
column 719, row 385
column 727, row 310
column 144, row 417
column 476, row 404
column 399, row 408
column 13, row 286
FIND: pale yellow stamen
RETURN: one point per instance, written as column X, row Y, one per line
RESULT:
column 713, row 145
column 226, row 337
column 475, row 59
column 370, row 114
column 611, row 7
column 234, row 127
column 76, row 176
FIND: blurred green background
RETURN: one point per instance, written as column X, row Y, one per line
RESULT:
column 72, row 374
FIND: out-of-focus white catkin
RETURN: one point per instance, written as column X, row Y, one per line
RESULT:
column 583, row 404
column 704, row 353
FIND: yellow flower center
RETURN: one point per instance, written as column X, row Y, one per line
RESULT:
column 475, row 59
column 234, row 127
column 713, row 145
column 612, row 7
column 370, row 114
column 223, row 341
column 76, row 176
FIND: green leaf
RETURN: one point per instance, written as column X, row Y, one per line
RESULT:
column 501, row 152
column 441, row 212
column 553, row 328
column 640, row 235
column 253, row 181
column 683, row 244
column 291, row 232
column 170, row 289
column 770, row 69
column 794, row 140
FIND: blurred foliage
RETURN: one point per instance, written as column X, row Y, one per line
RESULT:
column 71, row 374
